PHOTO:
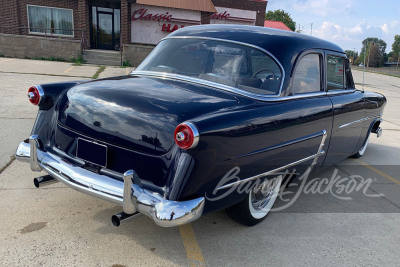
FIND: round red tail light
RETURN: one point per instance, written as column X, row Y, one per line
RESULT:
column 186, row 135
column 34, row 95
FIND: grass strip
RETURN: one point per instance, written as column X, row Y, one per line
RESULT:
column 100, row 70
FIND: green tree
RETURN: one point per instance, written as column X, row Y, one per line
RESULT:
column 396, row 47
column 378, row 46
column 280, row 15
column 351, row 55
column 374, row 56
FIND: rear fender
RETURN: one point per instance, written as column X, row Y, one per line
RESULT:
column 46, row 117
column 373, row 127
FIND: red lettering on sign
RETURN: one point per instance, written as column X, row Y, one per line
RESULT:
column 137, row 12
column 143, row 15
column 174, row 28
column 224, row 15
column 167, row 27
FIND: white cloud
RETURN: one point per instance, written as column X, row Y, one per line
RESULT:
column 384, row 28
column 334, row 32
column 325, row 7
column 344, row 22
column 358, row 29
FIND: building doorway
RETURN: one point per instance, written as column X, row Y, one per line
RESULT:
column 105, row 28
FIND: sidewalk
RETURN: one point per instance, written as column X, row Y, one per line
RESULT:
column 54, row 68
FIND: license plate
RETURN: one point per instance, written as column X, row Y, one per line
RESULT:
column 92, row 152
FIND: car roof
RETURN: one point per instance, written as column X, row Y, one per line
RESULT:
column 284, row 45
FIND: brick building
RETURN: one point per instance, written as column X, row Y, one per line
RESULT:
column 67, row 27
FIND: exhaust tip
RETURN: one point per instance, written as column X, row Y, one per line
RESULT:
column 44, row 180
column 115, row 221
column 36, row 182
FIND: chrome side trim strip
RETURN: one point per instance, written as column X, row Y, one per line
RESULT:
column 288, row 143
column 358, row 121
column 319, row 153
column 266, row 98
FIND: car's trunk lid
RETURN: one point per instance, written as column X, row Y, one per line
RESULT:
column 137, row 113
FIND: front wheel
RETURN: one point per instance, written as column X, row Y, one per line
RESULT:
column 258, row 203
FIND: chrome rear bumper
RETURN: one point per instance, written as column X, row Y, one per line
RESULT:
column 129, row 194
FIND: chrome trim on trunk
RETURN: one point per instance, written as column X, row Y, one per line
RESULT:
column 166, row 213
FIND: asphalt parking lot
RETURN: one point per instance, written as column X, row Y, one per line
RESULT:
column 55, row 225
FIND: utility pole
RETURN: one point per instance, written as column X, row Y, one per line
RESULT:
column 307, row 25
column 369, row 53
column 398, row 58
column 365, row 51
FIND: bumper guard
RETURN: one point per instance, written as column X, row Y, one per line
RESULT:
column 129, row 194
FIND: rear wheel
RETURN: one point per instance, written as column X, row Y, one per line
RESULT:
column 258, row 203
column 361, row 152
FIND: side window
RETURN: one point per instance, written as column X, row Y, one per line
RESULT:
column 307, row 78
column 235, row 65
column 335, row 73
column 349, row 76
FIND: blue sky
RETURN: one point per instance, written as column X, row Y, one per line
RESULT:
column 345, row 22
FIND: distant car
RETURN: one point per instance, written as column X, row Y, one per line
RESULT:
column 361, row 65
column 210, row 109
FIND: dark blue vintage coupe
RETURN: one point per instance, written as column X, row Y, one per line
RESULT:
column 211, row 109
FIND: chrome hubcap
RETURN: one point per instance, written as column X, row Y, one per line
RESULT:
column 261, row 195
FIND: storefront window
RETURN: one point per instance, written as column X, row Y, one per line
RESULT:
column 50, row 20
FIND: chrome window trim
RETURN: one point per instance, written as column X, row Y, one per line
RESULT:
column 340, row 91
column 321, row 69
column 343, row 57
column 164, row 75
column 358, row 121
column 239, row 91
column 259, row 97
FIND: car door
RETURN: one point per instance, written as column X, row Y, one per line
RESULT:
column 292, row 128
column 308, row 91
column 348, row 106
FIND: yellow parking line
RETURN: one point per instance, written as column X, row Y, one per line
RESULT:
column 193, row 251
column 68, row 70
column 7, row 60
column 378, row 172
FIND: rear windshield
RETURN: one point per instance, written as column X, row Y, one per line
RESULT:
column 231, row 64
